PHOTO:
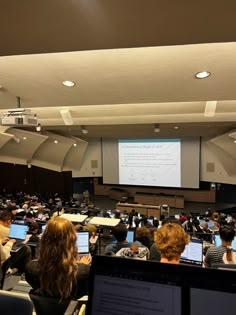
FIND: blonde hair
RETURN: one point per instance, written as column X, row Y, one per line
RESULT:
column 57, row 262
column 171, row 240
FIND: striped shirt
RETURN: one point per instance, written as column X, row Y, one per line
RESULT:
column 214, row 255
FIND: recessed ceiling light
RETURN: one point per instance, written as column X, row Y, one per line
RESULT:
column 74, row 144
column 24, row 138
column 68, row 83
column 55, row 141
column 176, row 127
column 202, row 74
column 234, row 141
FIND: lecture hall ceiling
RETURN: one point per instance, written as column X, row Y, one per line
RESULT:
column 133, row 63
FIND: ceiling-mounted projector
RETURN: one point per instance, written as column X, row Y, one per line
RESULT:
column 18, row 117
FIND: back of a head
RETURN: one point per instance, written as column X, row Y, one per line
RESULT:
column 227, row 233
column 143, row 235
column 171, row 220
column 120, row 232
column 5, row 216
column 171, row 240
column 215, row 216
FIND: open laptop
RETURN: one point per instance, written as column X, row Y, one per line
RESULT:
column 193, row 253
column 83, row 243
column 19, row 233
column 130, row 286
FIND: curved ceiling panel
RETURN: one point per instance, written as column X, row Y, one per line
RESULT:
column 52, row 153
column 4, row 136
column 21, row 146
column 74, row 157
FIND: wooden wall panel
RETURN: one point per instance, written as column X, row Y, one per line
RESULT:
column 35, row 179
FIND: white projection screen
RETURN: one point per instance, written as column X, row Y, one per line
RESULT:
column 152, row 162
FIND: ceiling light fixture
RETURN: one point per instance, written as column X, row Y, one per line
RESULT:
column 66, row 116
column 55, row 141
column 24, row 138
column 176, row 127
column 75, row 145
column 210, row 109
column 84, row 130
column 157, row 128
column 68, row 83
column 202, row 74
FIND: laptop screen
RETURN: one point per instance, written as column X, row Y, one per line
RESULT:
column 217, row 241
column 83, row 242
column 211, row 224
column 18, row 231
column 193, row 253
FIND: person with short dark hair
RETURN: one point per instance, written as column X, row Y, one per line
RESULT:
column 120, row 233
column 144, row 236
column 5, row 222
column 214, row 254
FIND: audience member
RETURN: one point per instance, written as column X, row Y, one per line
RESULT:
column 58, row 272
column 120, row 233
column 17, row 259
column 143, row 235
column 5, row 222
column 214, row 254
column 154, row 253
column 170, row 241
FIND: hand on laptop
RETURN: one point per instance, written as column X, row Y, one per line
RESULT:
column 12, row 240
column 85, row 260
column 5, row 240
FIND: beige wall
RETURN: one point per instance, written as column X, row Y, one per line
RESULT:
column 216, row 164
column 92, row 161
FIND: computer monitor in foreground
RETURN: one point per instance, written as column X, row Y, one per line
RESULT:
column 130, row 286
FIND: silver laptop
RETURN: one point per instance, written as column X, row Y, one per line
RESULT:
column 19, row 233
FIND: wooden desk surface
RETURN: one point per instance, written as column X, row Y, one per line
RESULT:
column 136, row 205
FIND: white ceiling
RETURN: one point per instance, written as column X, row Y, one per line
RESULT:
column 133, row 63
column 125, row 87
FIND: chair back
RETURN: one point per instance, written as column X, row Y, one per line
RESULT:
column 12, row 303
column 48, row 305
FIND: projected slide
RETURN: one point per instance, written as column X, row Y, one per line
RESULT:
column 151, row 162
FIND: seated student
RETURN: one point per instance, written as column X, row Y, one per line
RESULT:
column 144, row 236
column 5, row 222
column 170, row 241
column 214, row 254
column 120, row 233
column 58, row 272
